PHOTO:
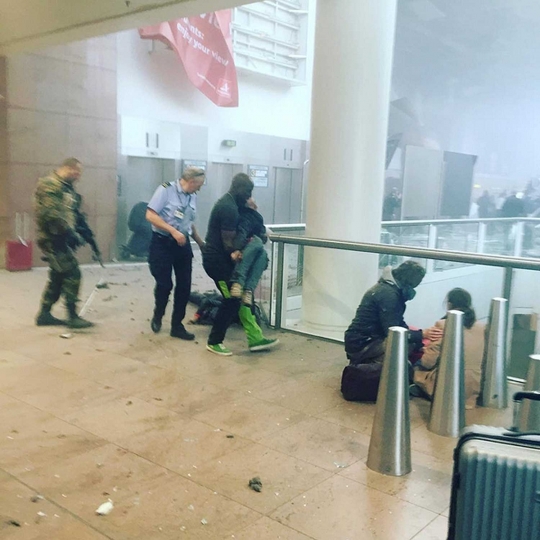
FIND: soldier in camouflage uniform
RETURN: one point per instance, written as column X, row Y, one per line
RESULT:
column 62, row 228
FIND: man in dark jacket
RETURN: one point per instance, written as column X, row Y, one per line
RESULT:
column 382, row 307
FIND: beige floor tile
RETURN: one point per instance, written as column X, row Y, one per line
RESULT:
column 173, row 508
column 428, row 485
column 10, row 358
column 446, row 512
column 426, row 442
column 267, row 529
column 182, row 445
column 301, row 394
column 250, row 418
column 436, row 530
column 71, row 395
column 320, row 443
column 84, row 481
column 342, row 509
column 187, row 396
column 18, row 380
column 282, row 476
column 121, row 418
column 43, row 440
column 57, row 523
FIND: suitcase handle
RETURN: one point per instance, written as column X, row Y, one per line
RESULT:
column 520, row 396
column 518, row 400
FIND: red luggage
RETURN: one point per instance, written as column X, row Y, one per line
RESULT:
column 19, row 252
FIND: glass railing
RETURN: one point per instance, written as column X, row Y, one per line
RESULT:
column 484, row 275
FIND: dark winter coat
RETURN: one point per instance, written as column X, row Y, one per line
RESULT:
column 250, row 223
column 382, row 306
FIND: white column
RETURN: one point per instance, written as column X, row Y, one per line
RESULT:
column 354, row 44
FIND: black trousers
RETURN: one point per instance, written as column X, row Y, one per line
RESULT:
column 166, row 256
column 221, row 270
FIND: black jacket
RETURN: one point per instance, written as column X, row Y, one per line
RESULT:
column 250, row 223
column 382, row 306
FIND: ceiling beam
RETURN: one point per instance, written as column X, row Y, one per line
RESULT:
column 134, row 16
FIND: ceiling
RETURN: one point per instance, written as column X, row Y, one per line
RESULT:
column 473, row 45
column 31, row 24
column 477, row 45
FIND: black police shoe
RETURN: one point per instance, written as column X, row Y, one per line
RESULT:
column 46, row 318
column 155, row 324
column 181, row 333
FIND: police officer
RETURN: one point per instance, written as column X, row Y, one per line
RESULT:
column 61, row 229
column 172, row 211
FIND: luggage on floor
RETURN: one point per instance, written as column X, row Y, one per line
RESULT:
column 19, row 252
column 361, row 382
column 496, row 483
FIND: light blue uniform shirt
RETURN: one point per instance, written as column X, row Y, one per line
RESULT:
column 174, row 206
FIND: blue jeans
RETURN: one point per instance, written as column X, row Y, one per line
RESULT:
column 254, row 262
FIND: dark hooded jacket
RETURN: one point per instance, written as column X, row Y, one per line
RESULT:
column 382, row 306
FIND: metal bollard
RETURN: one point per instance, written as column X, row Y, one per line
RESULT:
column 447, row 416
column 494, row 387
column 529, row 416
column 390, row 444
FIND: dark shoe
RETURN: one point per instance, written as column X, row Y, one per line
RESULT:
column 181, row 333
column 45, row 318
column 155, row 324
column 79, row 323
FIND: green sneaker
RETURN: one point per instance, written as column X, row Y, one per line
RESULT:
column 263, row 345
column 219, row 349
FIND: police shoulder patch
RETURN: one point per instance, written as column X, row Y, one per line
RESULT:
column 166, row 184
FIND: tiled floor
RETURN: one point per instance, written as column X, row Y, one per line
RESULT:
column 172, row 434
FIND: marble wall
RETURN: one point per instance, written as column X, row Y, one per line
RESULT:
column 60, row 102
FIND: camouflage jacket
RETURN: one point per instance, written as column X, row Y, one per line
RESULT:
column 58, row 211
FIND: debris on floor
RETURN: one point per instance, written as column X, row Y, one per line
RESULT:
column 230, row 436
column 255, row 484
column 13, row 523
column 109, row 298
column 36, row 498
column 204, row 522
column 66, row 336
column 105, row 509
column 102, row 285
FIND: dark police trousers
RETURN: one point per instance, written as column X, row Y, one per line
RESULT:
column 165, row 256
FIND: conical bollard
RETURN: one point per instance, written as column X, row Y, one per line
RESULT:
column 494, row 388
column 529, row 416
column 448, row 407
column 390, row 444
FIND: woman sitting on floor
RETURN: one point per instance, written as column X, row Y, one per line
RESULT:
column 425, row 374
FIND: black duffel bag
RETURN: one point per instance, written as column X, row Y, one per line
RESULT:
column 361, row 382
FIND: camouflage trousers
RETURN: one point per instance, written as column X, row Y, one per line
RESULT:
column 64, row 275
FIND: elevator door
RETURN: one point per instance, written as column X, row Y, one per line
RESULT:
column 139, row 177
column 219, row 176
column 287, row 195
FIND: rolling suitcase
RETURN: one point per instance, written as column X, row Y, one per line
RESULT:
column 496, row 483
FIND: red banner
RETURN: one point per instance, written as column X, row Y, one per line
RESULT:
column 204, row 45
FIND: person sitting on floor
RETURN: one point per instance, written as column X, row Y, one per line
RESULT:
column 425, row 371
column 382, row 307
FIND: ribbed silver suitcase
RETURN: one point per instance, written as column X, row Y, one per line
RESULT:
column 496, row 484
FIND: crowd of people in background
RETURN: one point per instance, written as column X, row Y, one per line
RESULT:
column 508, row 205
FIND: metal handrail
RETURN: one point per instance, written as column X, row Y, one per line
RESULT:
column 418, row 222
column 520, row 263
column 457, row 221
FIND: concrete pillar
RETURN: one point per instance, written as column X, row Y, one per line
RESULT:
column 354, row 44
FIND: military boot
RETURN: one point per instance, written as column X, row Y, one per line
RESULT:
column 75, row 321
column 46, row 318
